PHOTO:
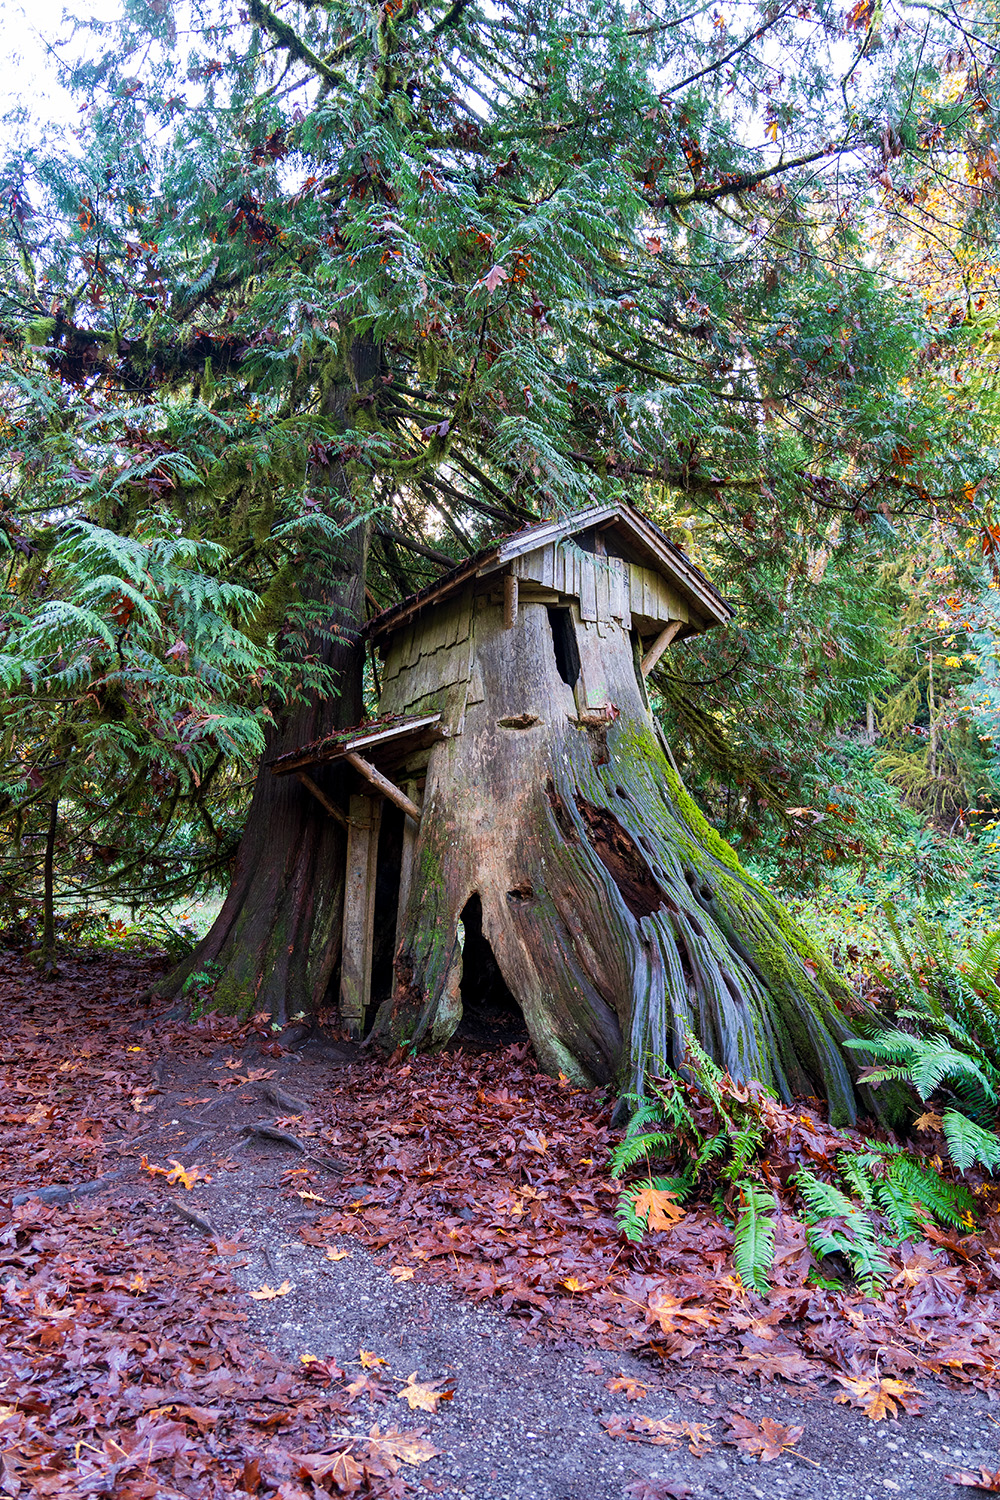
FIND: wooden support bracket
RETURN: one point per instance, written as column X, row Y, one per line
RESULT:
column 322, row 798
column 658, row 647
column 384, row 785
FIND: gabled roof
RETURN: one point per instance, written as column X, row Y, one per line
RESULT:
column 635, row 537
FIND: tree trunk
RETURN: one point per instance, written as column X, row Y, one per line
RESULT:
column 275, row 945
column 616, row 915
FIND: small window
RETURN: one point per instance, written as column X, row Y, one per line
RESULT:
column 565, row 646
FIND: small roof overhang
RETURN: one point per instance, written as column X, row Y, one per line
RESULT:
column 639, row 541
column 385, row 742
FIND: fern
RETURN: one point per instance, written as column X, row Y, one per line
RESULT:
column 837, row 1227
column 753, row 1249
column 633, row 1225
column 969, row 1143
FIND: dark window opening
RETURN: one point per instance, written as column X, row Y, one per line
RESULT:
column 620, row 856
column 491, row 1017
column 387, row 868
column 564, row 644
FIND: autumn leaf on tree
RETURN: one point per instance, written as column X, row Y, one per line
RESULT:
column 879, row 1398
column 658, row 1206
column 267, row 1293
column 424, row 1397
column 494, row 277
column 632, row 1389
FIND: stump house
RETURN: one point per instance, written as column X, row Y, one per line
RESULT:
column 512, row 710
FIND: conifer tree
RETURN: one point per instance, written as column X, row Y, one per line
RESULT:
column 345, row 288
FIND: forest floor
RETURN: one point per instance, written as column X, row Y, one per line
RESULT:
column 414, row 1285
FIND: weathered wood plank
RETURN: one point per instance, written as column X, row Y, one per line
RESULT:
column 365, row 815
column 660, row 645
column 384, row 785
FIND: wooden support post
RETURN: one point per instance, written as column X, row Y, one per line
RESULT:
column 384, row 785
column 321, row 798
column 359, row 913
column 658, row 647
column 509, row 600
column 410, row 831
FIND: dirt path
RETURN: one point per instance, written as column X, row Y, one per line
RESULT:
column 523, row 1419
column 525, row 1422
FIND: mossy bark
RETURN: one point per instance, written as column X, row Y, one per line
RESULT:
column 618, row 917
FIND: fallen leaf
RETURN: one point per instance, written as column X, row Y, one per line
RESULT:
column 308, row 1197
column 658, row 1207
column 928, row 1121
column 338, row 1254
column 984, row 1480
column 670, row 1311
column 536, row 1141
column 370, row 1360
column 268, row 1293
column 408, row 1447
column 879, row 1398
column 768, row 1441
column 657, row 1489
column 401, row 1273
column 632, row 1389
column 574, row 1284
column 662, row 1434
column 424, row 1397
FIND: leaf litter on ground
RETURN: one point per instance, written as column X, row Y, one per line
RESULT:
column 125, row 1367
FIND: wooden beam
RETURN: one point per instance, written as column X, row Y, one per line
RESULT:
column 410, row 832
column 322, row 798
column 384, row 785
column 509, row 600
column 359, row 913
column 660, row 645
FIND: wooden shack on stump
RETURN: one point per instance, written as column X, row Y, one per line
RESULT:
column 518, row 840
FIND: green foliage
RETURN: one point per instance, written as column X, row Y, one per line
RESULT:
column 947, row 1036
column 720, row 1135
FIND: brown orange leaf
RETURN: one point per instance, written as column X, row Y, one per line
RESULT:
column 574, row 1284
column 928, row 1121
column 879, row 1398
column 767, row 1441
column 370, row 1360
column 401, row 1273
column 337, row 1254
column 268, row 1293
column 658, row 1206
column 424, row 1397
column 633, row 1390
column 984, row 1480
column 408, row 1447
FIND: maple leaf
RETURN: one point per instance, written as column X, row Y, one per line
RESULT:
column 658, row 1489
column 401, row 1273
column 667, row 1310
column 535, row 1141
column 424, row 1397
column 768, row 1440
column 408, row 1447
column 633, row 1390
column 370, row 1360
column 661, row 1433
column 984, row 1480
column 879, row 1398
column 574, row 1284
column 928, row 1121
column 494, row 277
column 308, row 1197
column 345, row 1472
column 268, row 1293
column 337, row 1254
column 658, row 1206
column 186, row 1176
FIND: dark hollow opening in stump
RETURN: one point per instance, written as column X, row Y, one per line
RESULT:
column 620, row 856
column 390, row 859
column 564, row 644
column 491, row 1017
